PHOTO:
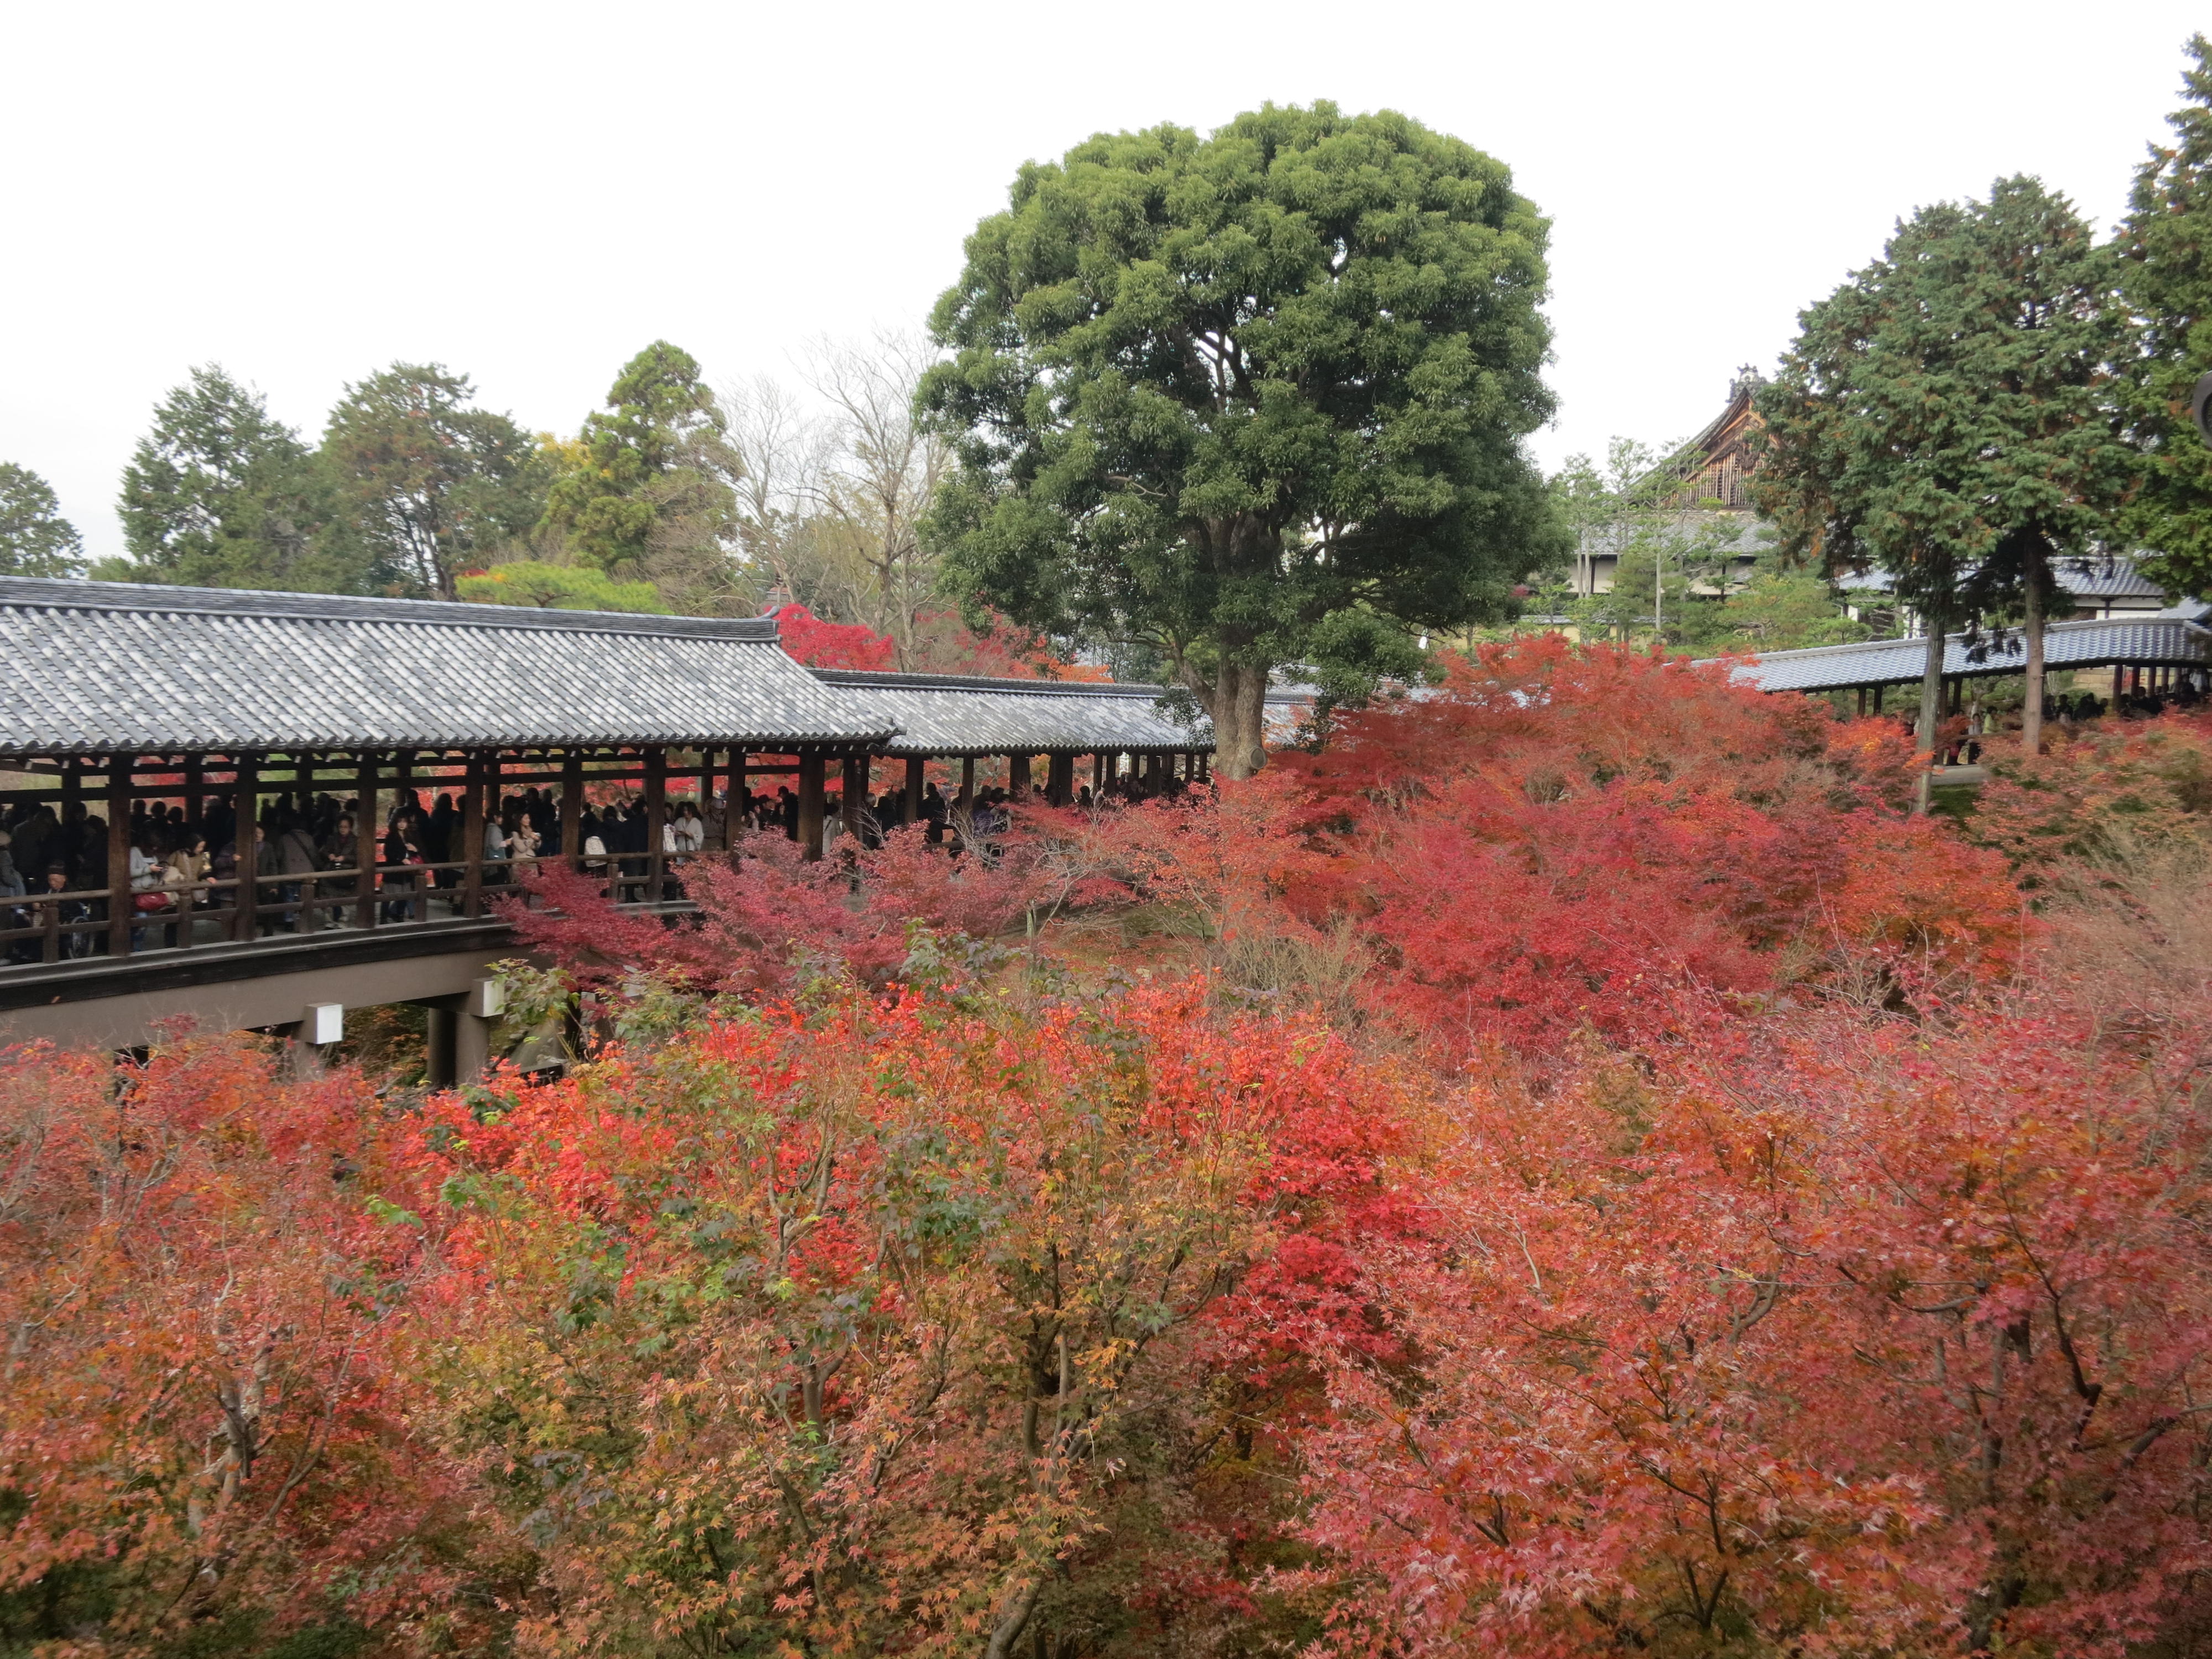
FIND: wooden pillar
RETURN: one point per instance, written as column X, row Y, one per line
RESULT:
column 367, row 842
column 482, row 782
column 656, row 818
column 913, row 781
column 1017, row 775
column 402, row 781
column 1059, row 779
column 246, row 842
column 854, row 800
column 1878, row 690
column 195, row 786
column 1205, row 767
column 1098, row 774
column 572, row 806
column 967, row 784
column 732, row 765
column 812, row 767
column 119, row 910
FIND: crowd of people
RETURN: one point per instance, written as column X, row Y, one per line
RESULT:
column 184, row 864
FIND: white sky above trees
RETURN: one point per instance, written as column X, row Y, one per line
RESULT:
column 530, row 193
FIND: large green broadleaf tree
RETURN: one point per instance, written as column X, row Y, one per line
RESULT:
column 1950, row 415
column 1251, row 399
column 2166, row 272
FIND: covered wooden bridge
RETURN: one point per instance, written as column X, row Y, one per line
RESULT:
column 117, row 698
column 2153, row 651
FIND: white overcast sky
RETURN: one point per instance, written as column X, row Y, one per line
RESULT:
column 529, row 193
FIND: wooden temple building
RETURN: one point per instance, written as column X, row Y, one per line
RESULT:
column 2114, row 618
column 115, row 696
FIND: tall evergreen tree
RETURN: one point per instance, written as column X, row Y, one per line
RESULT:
column 654, row 494
column 1253, row 399
column 431, row 484
column 2166, row 272
column 35, row 540
column 1949, row 415
column 219, row 494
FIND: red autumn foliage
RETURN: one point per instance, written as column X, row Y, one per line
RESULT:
column 1563, row 837
column 1858, row 1337
column 204, row 1424
column 1710, row 1218
column 943, row 644
column 820, row 644
column 2101, row 790
column 823, row 1266
column 771, row 919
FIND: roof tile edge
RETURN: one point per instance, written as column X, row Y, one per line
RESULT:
column 55, row 593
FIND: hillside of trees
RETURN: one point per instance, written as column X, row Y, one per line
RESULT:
column 1574, row 1165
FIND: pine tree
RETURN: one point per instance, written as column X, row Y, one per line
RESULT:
column 654, row 494
column 221, row 494
column 1949, row 415
column 35, row 540
column 2165, row 273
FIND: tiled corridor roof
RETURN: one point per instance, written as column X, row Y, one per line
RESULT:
column 2141, row 640
column 91, row 667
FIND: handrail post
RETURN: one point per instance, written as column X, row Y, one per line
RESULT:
column 482, row 782
column 364, row 839
column 245, row 847
column 656, row 818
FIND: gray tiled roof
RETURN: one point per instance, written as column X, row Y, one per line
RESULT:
column 2115, row 578
column 2143, row 640
column 952, row 715
column 108, row 666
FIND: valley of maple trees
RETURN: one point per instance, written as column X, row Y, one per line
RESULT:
column 1570, row 1165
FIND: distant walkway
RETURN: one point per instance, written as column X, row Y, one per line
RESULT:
column 2168, row 642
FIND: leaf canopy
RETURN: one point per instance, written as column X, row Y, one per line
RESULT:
column 1212, row 394
column 2165, row 273
column 35, row 540
column 1950, row 410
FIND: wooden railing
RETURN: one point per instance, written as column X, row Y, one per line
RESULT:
column 76, row 924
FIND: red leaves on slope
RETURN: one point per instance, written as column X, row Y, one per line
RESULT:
column 1862, row 1336
column 204, row 1415
column 1561, row 838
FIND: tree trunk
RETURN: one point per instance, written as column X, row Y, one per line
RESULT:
column 2031, row 719
column 1931, row 701
column 1239, row 703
